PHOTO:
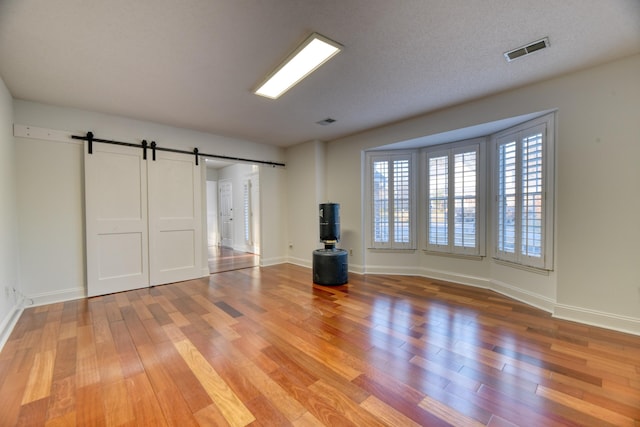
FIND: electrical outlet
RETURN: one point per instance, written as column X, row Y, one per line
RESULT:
column 351, row 252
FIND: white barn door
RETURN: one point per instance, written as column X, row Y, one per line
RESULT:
column 143, row 219
column 175, row 218
column 116, row 219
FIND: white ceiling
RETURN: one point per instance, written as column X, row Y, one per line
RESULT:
column 193, row 63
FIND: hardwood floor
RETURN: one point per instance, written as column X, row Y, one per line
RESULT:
column 225, row 259
column 265, row 347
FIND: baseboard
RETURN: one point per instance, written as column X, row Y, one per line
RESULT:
column 300, row 261
column 9, row 322
column 54, row 297
column 627, row 324
column 535, row 300
column 265, row 262
column 447, row 276
column 530, row 298
column 596, row 318
column 356, row 268
column 353, row 268
column 462, row 279
column 393, row 270
column 242, row 248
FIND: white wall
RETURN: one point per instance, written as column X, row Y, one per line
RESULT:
column 597, row 274
column 9, row 275
column 50, row 187
column 306, row 181
column 273, row 215
column 213, row 234
column 51, row 219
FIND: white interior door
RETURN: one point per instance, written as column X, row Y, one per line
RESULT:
column 212, row 213
column 116, row 219
column 247, row 212
column 175, row 218
column 226, row 213
column 255, row 212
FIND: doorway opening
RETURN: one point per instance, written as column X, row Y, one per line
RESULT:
column 233, row 216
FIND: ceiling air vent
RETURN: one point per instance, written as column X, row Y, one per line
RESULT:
column 526, row 50
column 326, row 121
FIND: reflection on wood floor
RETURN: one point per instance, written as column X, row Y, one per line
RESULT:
column 226, row 259
column 267, row 347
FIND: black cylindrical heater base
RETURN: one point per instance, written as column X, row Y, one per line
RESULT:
column 330, row 267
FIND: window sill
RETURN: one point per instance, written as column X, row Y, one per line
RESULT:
column 382, row 250
column 453, row 255
column 536, row 270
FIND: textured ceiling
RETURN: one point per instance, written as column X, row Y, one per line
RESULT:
column 193, row 63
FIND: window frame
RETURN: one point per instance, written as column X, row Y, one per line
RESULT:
column 450, row 150
column 391, row 156
column 545, row 126
column 246, row 212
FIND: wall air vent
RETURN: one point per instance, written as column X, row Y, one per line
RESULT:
column 526, row 50
column 326, row 121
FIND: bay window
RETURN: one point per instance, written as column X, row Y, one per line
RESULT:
column 455, row 219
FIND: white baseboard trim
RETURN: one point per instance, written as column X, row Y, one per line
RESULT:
column 54, row 297
column 536, row 300
column 265, row 262
column 243, row 248
column 353, row 268
column 462, row 279
column 533, row 299
column 626, row 324
column 356, row 268
column 392, row 270
column 300, row 261
column 9, row 322
column 447, row 276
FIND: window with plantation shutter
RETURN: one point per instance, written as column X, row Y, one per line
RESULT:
column 438, row 200
column 392, row 200
column 401, row 201
column 454, row 216
column 246, row 212
column 524, row 194
column 380, row 201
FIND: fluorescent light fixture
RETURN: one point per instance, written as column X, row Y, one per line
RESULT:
column 315, row 51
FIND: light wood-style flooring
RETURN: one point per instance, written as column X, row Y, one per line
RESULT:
column 266, row 347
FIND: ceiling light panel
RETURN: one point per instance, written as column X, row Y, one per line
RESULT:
column 311, row 54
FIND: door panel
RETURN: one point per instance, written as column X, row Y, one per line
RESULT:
column 255, row 212
column 175, row 218
column 116, row 219
column 212, row 214
column 226, row 213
